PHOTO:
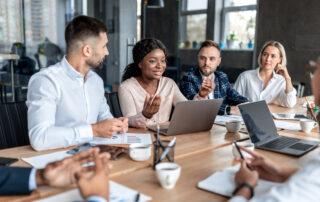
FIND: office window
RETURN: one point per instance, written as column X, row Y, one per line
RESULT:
column 230, row 3
column 193, row 22
column 40, row 23
column 191, row 5
column 30, row 22
column 238, row 24
column 10, row 24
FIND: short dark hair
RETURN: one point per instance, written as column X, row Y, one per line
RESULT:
column 209, row 43
column 81, row 28
column 139, row 51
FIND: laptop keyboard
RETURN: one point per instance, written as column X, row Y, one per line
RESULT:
column 164, row 130
column 280, row 143
column 301, row 146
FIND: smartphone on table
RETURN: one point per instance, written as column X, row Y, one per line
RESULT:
column 4, row 161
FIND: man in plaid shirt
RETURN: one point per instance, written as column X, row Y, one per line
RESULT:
column 206, row 82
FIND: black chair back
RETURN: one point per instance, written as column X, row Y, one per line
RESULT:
column 13, row 125
column 113, row 102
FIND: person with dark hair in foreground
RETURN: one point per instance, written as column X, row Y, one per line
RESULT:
column 146, row 97
column 297, row 184
column 66, row 102
column 19, row 180
column 207, row 83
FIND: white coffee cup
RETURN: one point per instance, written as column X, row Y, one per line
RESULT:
column 307, row 125
column 140, row 151
column 247, row 145
column 168, row 174
column 233, row 126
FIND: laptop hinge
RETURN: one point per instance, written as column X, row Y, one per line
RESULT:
column 267, row 140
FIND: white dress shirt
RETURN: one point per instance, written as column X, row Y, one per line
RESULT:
column 302, row 186
column 62, row 107
column 250, row 85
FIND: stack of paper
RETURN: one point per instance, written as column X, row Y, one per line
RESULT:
column 287, row 125
column 126, row 138
column 223, row 183
column 117, row 193
column 42, row 160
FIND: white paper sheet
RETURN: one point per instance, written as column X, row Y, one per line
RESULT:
column 126, row 138
column 223, row 183
column 287, row 125
column 221, row 120
column 287, row 116
column 42, row 160
column 118, row 193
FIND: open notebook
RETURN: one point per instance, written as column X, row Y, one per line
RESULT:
column 118, row 193
column 223, row 183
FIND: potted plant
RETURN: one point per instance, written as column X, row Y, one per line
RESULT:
column 231, row 38
column 250, row 44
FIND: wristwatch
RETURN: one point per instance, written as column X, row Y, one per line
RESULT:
column 228, row 109
column 244, row 184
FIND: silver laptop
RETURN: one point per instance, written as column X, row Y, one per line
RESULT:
column 263, row 132
column 191, row 116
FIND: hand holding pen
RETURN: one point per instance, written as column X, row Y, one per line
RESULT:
column 267, row 169
column 241, row 155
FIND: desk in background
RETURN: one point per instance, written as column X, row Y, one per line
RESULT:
column 19, row 82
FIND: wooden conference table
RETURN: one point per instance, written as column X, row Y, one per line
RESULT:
column 199, row 155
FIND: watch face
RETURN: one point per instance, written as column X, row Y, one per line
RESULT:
column 228, row 110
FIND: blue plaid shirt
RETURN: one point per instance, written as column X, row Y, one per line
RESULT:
column 191, row 82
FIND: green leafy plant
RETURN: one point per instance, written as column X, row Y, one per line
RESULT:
column 232, row 37
column 250, row 38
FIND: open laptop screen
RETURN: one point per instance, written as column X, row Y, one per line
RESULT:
column 258, row 120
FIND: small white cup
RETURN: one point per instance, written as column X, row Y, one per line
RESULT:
column 140, row 151
column 168, row 174
column 307, row 125
column 233, row 126
column 247, row 145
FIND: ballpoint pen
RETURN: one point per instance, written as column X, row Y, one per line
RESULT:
column 165, row 152
column 235, row 144
column 137, row 197
column 157, row 134
column 311, row 109
column 152, row 99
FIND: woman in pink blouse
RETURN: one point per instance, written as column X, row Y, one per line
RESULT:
column 146, row 97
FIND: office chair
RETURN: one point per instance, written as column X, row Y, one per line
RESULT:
column 113, row 102
column 299, row 86
column 13, row 125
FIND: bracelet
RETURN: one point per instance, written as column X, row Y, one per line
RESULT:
column 244, row 184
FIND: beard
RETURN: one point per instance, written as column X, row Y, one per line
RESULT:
column 207, row 73
column 95, row 63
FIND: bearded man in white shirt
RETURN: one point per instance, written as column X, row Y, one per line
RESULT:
column 66, row 102
column 297, row 184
